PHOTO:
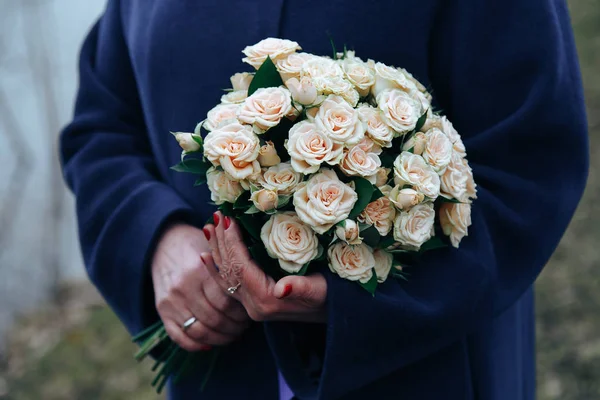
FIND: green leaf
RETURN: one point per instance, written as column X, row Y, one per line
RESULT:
column 200, row 181
column 421, row 121
column 243, row 201
column 365, row 190
column 376, row 195
column 371, row 236
column 321, row 255
column 443, row 199
column 252, row 210
column 251, row 224
column 434, row 243
column 266, row 76
column 282, row 201
column 371, row 285
column 198, row 139
column 192, row 166
column 386, row 242
column 303, row 270
column 363, row 226
column 226, row 209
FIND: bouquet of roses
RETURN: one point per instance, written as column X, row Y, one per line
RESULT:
column 332, row 163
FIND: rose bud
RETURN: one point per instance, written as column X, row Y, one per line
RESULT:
column 303, row 90
column 241, row 81
column 265, row 200
column 418, row 143
column 187, row 142
column 267, row 155
column 404, row 199
column 349, row 232
column 382, row 176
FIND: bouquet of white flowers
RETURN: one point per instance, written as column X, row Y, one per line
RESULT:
column 332, row 163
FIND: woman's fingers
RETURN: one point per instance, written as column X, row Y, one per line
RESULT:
column 211, row 235
column 176, row 334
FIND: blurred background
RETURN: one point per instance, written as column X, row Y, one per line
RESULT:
column 57, row 338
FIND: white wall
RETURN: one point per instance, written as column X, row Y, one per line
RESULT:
column 39, row 46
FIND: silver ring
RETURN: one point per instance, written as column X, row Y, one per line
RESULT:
column 186, row 325
column 232, row 289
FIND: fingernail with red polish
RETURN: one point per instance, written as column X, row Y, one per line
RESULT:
column 205, row 347
column 287, row 290
column 227, row 222
column 216, row 218
column 206, row 233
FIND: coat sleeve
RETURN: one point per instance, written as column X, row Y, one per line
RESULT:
column 107, row 162
column 506, row 74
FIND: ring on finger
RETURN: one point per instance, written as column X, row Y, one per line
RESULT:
column 232, row 289
column 189, row 322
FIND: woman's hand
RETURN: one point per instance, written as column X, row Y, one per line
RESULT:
column 293, row 298
column 184, row 289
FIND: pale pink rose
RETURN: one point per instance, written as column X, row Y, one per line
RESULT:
column 337, row 85
column 404, row 199
column 265, row 199
column 223, row 188
column 383, row 264
column 348, row 231
column 320, row 67
column 417, row 143
column 411, row 169
column 291, row 66
column 414, row 227
column 352, row 262
column 455, row 220
column 340, row 121
column 357, row 162
column 241, row 81
column 274, row 48
column 303, row 90
column 438, row 150
column 414, row 80
column 187, row 142
column 369, row 146
column 380, row 132
column 290, row 241
column 457, row 143
column 457, row 181
column 309, row 147
column 382, row 176
column 387, row 77
column 379, row 213
column 221, row 115
column 235, row 148
column 236, row 97
column 324, row 201
column 399, row 110
column 281, row 178
column 360, row 74
column 265, row 108
column 267, row 155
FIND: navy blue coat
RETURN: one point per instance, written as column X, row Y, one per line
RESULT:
column 505, row 72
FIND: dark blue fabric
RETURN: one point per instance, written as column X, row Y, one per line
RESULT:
column 504, row 72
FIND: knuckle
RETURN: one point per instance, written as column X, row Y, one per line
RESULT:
column 262, row 311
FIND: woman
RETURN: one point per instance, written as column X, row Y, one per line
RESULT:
column 462, row 327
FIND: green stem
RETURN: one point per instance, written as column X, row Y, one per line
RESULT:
column 140, row 336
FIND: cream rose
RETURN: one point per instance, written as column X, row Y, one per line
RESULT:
column 241, row 81
column 411, row 169
column 369, row 146
column 187, row 142
column 414, row 227
column 379, row 213
column 414, row 80
column 377, row 129
column 438, row 150
column 265, row 199
column 457, row 181
column 417, row 143
column 338, row 86
column 348, row 231
column 222, row 187
column 457, row 143
column 340, row 121
column 357, row 162
column 309, row 147
column 274, row 48
column 387, row 77
column 235, row 148
column 455, row 220
column 281, row 178
column 360, row 74
column 324, row 201
column 404, row 199
column 303, row 91
column 291, row 66
column 383, row 264
column 267, row 155
column 290, row 241
column 236, row 97
column 400, row 111
column 320, row 67
column 382, row 176
column 221, row 115
column 265, row 108
column 354, row 263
